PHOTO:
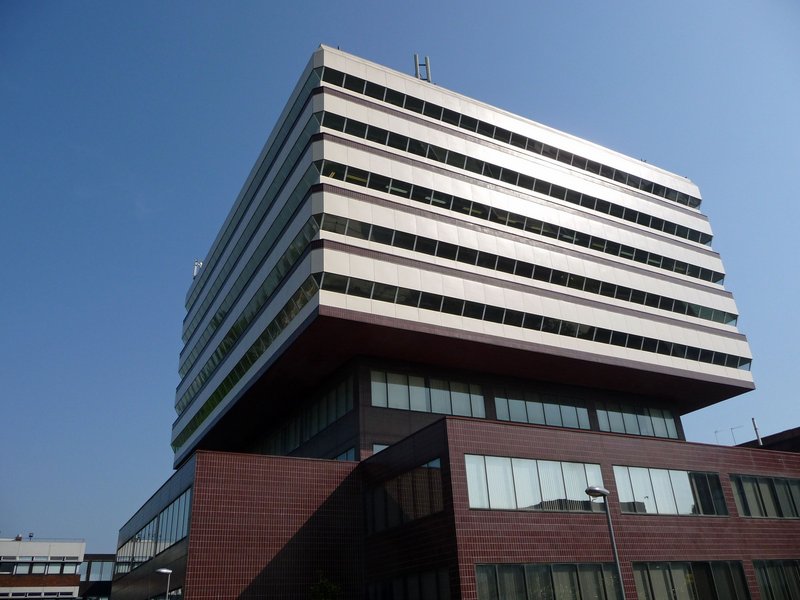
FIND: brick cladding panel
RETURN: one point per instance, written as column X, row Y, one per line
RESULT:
column 264, row 526
column 497, row 536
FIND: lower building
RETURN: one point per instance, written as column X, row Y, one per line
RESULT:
column 474, row 509
column 40, row 568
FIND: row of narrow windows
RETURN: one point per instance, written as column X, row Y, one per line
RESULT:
column 312, row 418
column 416, row 147
column 541, row 272
column 360, row 177
column 497, row 314
column 253, row 190
column 166, row 529
column 307, row 290
column 560, row 581
column 283, row 267
column 434, row 111
column 428, row 301
column 506, row 483
column 504, row 264
column 408, row 391
column 265, row 204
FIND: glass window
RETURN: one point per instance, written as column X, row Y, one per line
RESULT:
column 440, row 397
column 379, row 393
column 501, row 483
column 459, row 394
column 569, row 416
column 552, row 414
column 511, row 580
column 535, row 412
column 501, row 408
column 642, row 490
column 552, row 482
column 517, row 410
column 575, row 486
column 526, row 483
column 397, row 384
column 476, row 401
column 486, row 581
column 684, row 499
column 539, row 582
column 591, row 581
column 476, row 481
column 662, row 489
column 419, row 394
column 565, row 582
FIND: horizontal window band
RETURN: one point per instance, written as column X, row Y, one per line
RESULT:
column 360, row 177
column 307, row 290
column 277, row 276
column 310, row 88
column 425, row 245
column 363, row 288
column 514, row 178
column 521, row 142
column 270, row 196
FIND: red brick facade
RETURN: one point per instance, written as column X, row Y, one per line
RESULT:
column 498, row 536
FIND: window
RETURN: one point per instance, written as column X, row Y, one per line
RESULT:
column 639, row 420
column 498, row 482
column 473, row 310
column 584, row 581
column 413, row 392
column 430, row 585
column 412, row 495
column 772, row 497
column 690, row 580
column 778, row 579
column 529, row 408
column 669, row 492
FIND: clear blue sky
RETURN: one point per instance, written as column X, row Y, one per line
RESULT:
column 127, row 130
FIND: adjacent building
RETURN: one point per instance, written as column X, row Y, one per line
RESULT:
column 45, row 569
column 424, row 328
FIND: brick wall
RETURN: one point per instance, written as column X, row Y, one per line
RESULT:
column 273, row 527
column 502, row 536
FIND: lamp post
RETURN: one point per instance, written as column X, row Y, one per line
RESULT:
column 595, row 491
column 168, row 573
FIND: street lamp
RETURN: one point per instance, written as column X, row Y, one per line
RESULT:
column 595, row 491
column 168, row 573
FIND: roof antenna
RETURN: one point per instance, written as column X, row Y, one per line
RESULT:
column 426, row 64
column 198, row 264
column 758, row 435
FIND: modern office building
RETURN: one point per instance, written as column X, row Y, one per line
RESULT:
column 424, row 328
column 40, row 568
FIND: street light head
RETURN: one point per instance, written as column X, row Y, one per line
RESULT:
column 595, row 491
column 164, row 571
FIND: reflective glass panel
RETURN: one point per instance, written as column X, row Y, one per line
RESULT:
column 476, row 481
column 501, row 483
column 526, row 483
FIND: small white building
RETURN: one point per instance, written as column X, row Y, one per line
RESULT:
column 40, row 568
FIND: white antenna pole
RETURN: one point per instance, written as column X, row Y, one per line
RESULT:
column 758, row 435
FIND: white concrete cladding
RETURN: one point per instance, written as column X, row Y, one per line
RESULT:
column 630, row 234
